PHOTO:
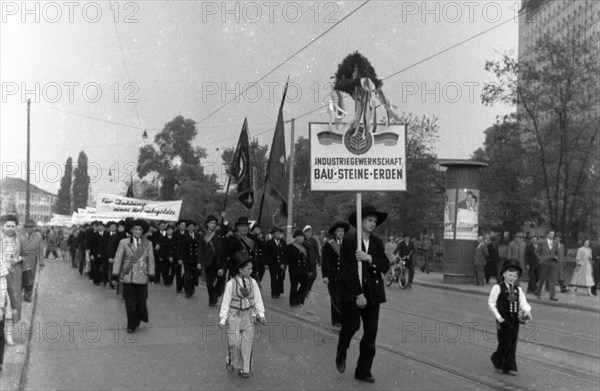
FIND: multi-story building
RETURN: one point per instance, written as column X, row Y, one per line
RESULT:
column 13, row 199
column 579, row 19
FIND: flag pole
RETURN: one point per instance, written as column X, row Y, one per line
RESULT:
column 359, row 221
column 290, row 208
column 262, row 201
column 231, row 166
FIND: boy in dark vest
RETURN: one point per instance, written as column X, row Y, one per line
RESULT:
column 509, row 306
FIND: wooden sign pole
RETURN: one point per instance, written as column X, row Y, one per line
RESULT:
column 359, row 221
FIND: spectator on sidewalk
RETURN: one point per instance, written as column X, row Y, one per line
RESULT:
column 390, row 246
column 582, row 276
column 480, row 259
column 562, row 254
column 596, row 268
column 548, row 254
column 494, row 254
column 517, row 249
column 533, row 264
column 503, row 252
column 406, row 250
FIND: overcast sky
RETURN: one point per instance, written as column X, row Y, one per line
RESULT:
column 190, row 57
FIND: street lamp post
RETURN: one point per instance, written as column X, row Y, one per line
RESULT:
column 27, row 189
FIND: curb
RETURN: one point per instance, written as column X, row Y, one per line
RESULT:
column 16, row 379
column 578, row 307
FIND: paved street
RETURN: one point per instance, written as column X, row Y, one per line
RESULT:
column 429, row 338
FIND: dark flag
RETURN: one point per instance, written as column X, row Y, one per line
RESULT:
column 240, row 169
column 277, row 181
column 129, row 193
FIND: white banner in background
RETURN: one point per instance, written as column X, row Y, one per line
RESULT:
column 142, row 209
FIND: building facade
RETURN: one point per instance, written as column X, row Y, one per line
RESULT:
column 13, row 200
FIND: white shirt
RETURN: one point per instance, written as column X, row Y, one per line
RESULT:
column 259, row 307
column 360, row 274
column 492, row 300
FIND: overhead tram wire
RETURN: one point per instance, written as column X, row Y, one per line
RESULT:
column 405, row 68
column 286, row 60
column 135, row 106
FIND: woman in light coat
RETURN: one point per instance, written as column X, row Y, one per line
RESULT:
column 582, row 276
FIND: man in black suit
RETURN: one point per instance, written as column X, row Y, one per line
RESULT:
column 116, row 232
column 533, row 264
column 406, row 248
column 331, row 267
column 212, row 246
column 240, row 242
column 156, row 238
column 168, row 255
column 259, row 252
column 180, row 235
column 298, row 263
column 188, row 256
column 361, row 291
column 275, row 258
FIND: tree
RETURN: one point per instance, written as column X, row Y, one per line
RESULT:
column 177, row 169
column 508, row 183
column 558, row 116
column 81, row 182
column 63, row 198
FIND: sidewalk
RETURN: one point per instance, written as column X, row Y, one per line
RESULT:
column 580, row 301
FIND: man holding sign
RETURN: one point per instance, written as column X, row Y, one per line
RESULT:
column 361, row 290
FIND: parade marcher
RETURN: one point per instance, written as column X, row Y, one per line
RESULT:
column 361, row 291
column 238, row 242
column 242, row 305
column 180, row 234
column 52, row 241
column 479, row 260
column 314, row 256
column 406, row 249
column 509, row 306
column 133, row 265
column 298, row 264
column 32, row 248
column 116, row 233
column 188, row 256
column 168, row 255
column 548, row 254
column 91, row 243
column 80, row 245
column 275, row 258
column 72, row 245
column 259, row 252
column 533, row 264
column 331, row 267
column 582, row 276
column 212, row 247
column 157, row 237
column 105, row 265
column 98, row 250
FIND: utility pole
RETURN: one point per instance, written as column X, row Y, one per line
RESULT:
column 27, row 190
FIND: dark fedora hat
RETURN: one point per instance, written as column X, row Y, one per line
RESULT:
column 338, row 224
column 368, row 210
column 297, row 233
column 137, row 223
column 111, row 223
column 211, row 218
column 29, row 224
column 276, row 229
column 242, row 220
column 511, row 264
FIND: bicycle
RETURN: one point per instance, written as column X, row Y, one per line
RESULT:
column 398, row 273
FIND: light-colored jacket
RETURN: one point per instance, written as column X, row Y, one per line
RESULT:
column 32, row 249
column 133, row 266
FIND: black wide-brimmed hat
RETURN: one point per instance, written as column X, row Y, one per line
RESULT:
column 170, row 226
column 297, row 233
column 211, row 218
column 276, row 229
column 511, row 264
column 256, row 225
column 30, row 224
column 137, row 223
column 368, row 210
column 239, row 260
column 111, row 223
column 338, row 224
column 242, row 220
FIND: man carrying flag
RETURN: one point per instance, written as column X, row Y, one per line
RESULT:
column 240, row 169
